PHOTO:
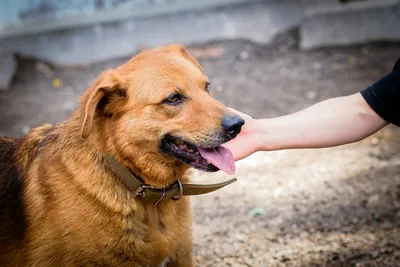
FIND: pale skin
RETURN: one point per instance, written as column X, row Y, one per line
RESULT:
column 333, row 122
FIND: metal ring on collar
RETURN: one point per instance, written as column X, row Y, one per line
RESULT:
column 180, row 191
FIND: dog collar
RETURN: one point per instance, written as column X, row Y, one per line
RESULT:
column 154, row 195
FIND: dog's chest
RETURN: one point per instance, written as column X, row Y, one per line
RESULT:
column 149, row 236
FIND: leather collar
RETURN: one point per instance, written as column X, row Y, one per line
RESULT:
column 154, row 195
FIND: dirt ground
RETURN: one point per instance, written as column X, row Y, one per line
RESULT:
column 327, row 207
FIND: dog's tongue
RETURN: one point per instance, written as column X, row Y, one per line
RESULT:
column 221, row 157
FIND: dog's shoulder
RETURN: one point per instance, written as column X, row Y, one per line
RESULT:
column 16, row 157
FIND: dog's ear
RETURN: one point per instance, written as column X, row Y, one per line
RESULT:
column 183, row 52
column 105, row 91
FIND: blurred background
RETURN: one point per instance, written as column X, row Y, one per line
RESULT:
column 327, row 207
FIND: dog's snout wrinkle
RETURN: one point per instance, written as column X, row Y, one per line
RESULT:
column 232, row 125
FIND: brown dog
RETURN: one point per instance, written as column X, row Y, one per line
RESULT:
column 62, row 205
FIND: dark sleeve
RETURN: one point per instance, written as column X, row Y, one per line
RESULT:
column 384, row 96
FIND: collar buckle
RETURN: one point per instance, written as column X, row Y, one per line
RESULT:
column 139, row 191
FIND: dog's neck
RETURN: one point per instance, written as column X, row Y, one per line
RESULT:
column 149, row 194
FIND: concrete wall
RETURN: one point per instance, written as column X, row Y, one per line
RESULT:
column 14, row 12
column 19, row 11
column 70, row 32
column 116, row 32
column 27, row 17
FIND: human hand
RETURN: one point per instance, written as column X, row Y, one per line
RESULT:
column 248, row 141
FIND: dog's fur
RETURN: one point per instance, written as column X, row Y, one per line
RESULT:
column 61, row 205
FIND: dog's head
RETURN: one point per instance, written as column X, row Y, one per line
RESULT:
column 155, row 114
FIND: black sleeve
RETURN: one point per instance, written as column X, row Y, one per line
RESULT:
column 384, row 96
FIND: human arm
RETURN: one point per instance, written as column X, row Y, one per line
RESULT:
column 329, row 123
column 333, row 122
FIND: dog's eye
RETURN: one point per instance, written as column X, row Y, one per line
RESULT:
column 207, row 85
column 174, row 99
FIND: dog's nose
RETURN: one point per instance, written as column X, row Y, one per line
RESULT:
column 232, row 125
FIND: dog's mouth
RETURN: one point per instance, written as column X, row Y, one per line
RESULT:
column 205, row 159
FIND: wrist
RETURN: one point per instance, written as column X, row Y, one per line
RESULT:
column 260, row 135
column 271, row 134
